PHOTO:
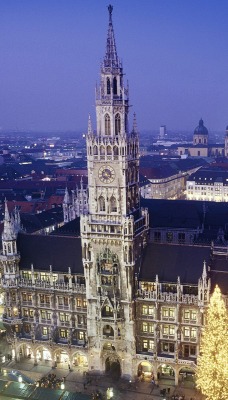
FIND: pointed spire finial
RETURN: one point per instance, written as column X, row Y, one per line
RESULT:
column 66, row 199
column 110, row 8
column 111, row 59
column 135, row 129
column 204, row 269
column 6, row 216
column 90, row 130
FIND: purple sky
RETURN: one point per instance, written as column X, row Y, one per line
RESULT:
column 174, row 52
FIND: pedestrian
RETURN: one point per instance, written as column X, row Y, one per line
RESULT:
column 69, row 366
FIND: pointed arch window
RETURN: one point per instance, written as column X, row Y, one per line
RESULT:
column 102, row 150
column 114, row 85
column 107, row 125
column 109, row 150
column 113, row 204
column 95, row 150
column 101, row 203
column 108, row 86
column 117, row 124
column 115, row 151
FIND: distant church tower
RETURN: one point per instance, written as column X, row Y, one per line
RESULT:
column 200, row 135
column 114, row 231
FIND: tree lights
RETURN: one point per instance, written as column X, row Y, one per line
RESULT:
column 212, row 370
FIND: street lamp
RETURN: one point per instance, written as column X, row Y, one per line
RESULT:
column 62, row 386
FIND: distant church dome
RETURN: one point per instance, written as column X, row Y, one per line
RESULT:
column 201, row 129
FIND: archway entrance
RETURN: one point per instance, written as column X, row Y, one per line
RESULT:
column 165, row 371
column 79, row 360
column 187, row 377
column 112, row 367
column 145, row 370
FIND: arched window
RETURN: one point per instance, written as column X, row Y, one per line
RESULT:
column 107, row 125
column 108, row 86
column 95, row 150
column 113, row 204
column 109, row 150
column 117, row 124
column 102, row 150
column 114, row 85
column 115, row 151
column 101, row 203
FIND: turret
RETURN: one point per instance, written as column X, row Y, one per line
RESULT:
column 9, row 234
column 9, row 259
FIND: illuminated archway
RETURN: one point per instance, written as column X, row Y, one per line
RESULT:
column 145, row 370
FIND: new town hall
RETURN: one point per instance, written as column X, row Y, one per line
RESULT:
column 109, row 299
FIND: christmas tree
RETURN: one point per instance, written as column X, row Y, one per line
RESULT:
column 212, row 364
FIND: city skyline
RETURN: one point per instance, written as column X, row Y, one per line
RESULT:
column 174, row 56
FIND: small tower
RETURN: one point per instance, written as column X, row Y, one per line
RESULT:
column 9, row 234
column 226, row 142
column 9, row 266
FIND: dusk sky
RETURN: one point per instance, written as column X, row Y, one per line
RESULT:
column 174, row 52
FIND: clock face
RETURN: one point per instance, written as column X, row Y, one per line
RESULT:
column 106, row 174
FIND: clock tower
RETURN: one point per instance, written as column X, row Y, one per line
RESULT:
column 114, row 231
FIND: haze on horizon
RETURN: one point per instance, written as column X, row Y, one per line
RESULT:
column 174, row 55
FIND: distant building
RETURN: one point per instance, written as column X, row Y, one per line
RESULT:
column 201, row 146
column 166, row 179
column 210, row 184
column 162, row 132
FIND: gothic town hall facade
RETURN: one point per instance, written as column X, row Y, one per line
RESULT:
column 108, row 299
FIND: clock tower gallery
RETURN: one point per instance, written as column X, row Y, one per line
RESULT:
column 114, row 231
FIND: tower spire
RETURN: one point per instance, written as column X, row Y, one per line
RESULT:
column 111, row 58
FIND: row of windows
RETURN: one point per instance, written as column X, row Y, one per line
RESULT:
column 170, row 237
column 63, row 333
column 112, row 204
column 166, row 347
column 117, row 125
column 114, row 86
column 109, row 150
column 188, row 332
column 167, row 312
column 45, row 299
